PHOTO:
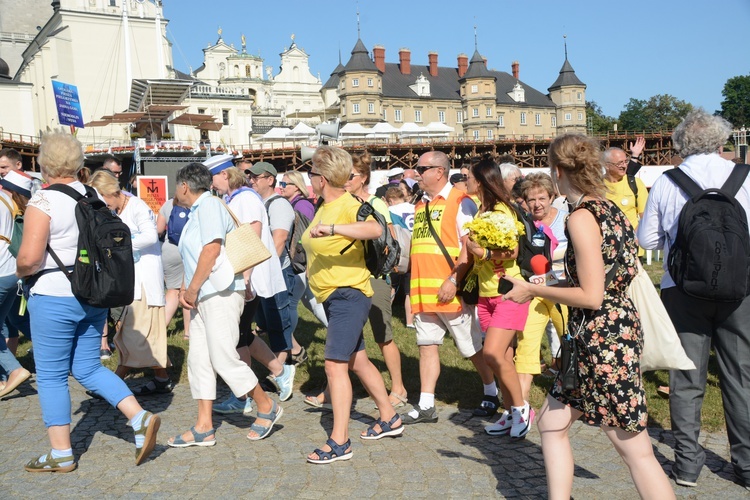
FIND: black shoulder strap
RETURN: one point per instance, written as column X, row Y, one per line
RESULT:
column 66, row 189
column 633, row 187
column 736, row 179
column 437, row 239
column 684, row 182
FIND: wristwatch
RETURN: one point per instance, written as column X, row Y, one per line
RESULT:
column 453, row 280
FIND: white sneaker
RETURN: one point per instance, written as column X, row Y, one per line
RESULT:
column 501, row 427
column 523, row 416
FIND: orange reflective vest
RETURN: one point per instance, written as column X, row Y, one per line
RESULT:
column 429, row 269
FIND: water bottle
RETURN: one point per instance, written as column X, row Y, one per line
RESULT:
column 538, row 239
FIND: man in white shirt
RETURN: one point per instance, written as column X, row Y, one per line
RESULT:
column 701, row 323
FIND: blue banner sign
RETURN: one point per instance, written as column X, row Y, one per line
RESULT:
column 68, row 106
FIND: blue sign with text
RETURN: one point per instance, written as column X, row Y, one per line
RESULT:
column 68, row 106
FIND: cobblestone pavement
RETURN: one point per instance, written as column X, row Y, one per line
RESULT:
column 452, row 458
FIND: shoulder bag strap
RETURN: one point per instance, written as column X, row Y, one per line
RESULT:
column 65, row 189
column 437, row 238
column 736, row 179
column 231, row 214
column 633, row 187
column 12, row 216
column 684, row 182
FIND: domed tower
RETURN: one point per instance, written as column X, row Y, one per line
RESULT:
column 569, row 95
column 360, row 84
column 478, row 98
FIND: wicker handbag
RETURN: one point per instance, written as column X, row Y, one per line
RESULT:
column 243, row 247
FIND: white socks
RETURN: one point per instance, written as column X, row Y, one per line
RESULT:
column 426, row 401
column 490, row 389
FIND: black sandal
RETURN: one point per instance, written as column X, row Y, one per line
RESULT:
column 488, row 407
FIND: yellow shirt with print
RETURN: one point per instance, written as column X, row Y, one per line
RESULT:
column 621, row 195
column 327, row 269
column 490, row 271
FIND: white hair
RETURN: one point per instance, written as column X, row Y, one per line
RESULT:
column 700, row 133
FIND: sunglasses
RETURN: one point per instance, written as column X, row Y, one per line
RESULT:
column 421, row 169
column 314, row 174
column 253, row 176
column 283, row 184
column 353, row 175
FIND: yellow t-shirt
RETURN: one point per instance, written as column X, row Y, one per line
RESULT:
column 327, row 269
column 490, row 271
column 379, row 205
column 621, row 195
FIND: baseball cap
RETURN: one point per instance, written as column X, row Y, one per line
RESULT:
column 217, row 163
column 457, row 178
column 395, row 171
column 262, row 167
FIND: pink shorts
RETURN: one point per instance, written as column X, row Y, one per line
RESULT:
column 494, row 312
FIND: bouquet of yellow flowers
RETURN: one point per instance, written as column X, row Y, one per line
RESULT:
column 495, row 230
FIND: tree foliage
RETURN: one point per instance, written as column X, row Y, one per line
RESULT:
column 660, row 112
column 735, row 107
column 600, row 123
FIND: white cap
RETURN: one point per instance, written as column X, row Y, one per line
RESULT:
column 395, row 171
column 222, row 274
column 218, row 163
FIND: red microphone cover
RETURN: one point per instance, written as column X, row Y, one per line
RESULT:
column 540, row 264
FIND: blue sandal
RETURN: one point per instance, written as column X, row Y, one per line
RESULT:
column 261, row 430
column 199, row 439
column 386, row 429
column 338, row 452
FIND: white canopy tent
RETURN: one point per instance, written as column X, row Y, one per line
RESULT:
column 277, row 133
column 354, row 129
column 302, row 130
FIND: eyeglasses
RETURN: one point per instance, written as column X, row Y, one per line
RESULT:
column 421, row 169
column 254, row 177
column 353, row 175
column 314, row 174
column 622, row 163
column 116, row 173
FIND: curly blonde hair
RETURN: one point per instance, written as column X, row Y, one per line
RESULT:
column 537, row 180
column 60, row 154
column 581, row 159
column 361, row 163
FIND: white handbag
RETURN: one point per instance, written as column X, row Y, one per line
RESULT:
column 662, row 349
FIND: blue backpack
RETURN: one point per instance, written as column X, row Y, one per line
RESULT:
column 177, row 220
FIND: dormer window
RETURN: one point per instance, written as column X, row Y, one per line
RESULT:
column 421, row 87
column 518, row 93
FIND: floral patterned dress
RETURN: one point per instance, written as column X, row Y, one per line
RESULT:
column 610, row 341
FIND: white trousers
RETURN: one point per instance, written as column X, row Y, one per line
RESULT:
column 214, row 333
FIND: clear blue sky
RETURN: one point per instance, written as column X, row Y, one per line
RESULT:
column 638, row 48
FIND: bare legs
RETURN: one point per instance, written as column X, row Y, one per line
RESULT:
column 340, row 387
column 392, row 358
column 554, row 422
column 499, row 357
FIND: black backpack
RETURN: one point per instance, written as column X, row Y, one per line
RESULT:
column 381, row 254
column 710, row 258
column 103, row 274
column 294, row 248
column 526, row 250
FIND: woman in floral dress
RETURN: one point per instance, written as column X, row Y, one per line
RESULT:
column 610, row 391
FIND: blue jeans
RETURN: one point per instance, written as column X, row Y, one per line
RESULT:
column 8, row 362
column 67, row 337
column 275, row 315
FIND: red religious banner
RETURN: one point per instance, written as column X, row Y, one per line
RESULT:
column 153, row 190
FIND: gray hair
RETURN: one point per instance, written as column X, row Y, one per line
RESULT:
column 508, row 169
column 700, row 133
column 607, row 153
column 197, row 177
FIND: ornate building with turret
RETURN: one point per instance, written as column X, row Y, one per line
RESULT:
column 476, row 102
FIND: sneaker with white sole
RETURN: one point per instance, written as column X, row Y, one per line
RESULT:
column 234, row 405
column 285, row 382
column 522, row 417
column 501, row 427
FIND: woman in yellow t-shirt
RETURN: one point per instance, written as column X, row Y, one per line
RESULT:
column 499, row 319
column 341, row 282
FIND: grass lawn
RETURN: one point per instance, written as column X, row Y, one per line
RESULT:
column 459, row 383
